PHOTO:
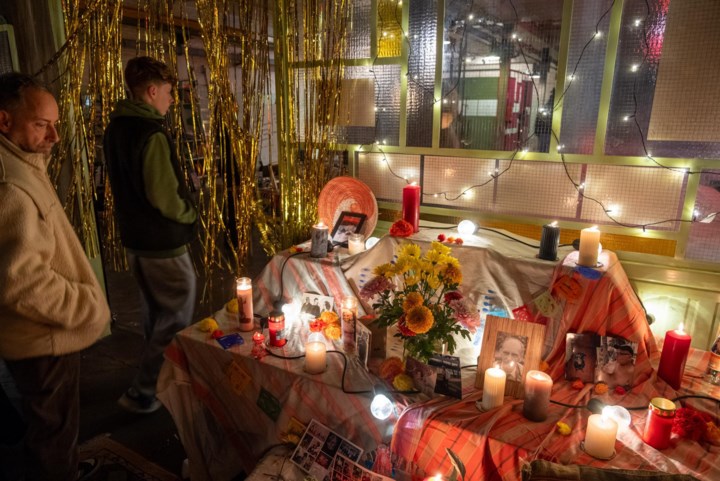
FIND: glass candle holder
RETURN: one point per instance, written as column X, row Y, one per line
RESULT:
column 315, row 354
column 243, row 289
column 319, row 240
column 348, row 316
column 258, row 349
column 659, row 422
column 356, row 244
column 276, row 328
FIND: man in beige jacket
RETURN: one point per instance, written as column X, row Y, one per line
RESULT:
column 51, row 304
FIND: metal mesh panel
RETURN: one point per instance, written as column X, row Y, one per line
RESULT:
column 642, row 36
column 581, row 98
column 385, row 174
column 422, row 36
column 634, row 195
column 389, row 29
column 358, row 36
column 537, row 189
column 446, row 178
column 702, row 242
column 386, row 79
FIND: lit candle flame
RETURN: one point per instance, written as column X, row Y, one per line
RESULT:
column 554, row 223
column 681, row 328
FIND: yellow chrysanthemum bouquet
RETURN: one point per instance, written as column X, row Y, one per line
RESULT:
column 418, row 292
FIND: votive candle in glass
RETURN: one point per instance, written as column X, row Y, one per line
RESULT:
column 538, row 387
column 319, row 240
column 659, row 422
column 243, row 290
column 356, row 244
column 348, row 317
column 600, row 436
column 493, row 388
column 276, row 328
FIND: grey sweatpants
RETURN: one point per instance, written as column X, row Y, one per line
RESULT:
column 168, row 294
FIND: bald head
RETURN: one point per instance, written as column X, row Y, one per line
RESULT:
column 28, row 114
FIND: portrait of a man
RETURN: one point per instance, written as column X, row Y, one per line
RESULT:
column 510, row 355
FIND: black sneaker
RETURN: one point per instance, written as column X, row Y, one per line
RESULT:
column 87, row 468
column 135, row 402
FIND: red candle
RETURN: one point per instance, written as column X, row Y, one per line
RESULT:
column 276, row 327
column 674, row 354
column 411, row 205
column 659, row 422
column 258, row 337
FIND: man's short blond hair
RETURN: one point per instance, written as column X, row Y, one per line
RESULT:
column 141, row 72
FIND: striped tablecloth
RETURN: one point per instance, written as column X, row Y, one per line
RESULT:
column 213, row 394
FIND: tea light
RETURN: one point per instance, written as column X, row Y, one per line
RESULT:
column 589, row 247
column 319, row 240
column 243, row 290
column 315, row 357
column 493, row 388
column 356, row 244
column 538, row 387
column 674, row 354
column 411, row 205
column 600, row 436
column 348, row 316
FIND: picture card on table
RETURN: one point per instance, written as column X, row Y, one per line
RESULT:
column 449, row 378
column 230, row 340
column 590, row 357
column 318, row 448
column 345, row 469
column 269, row 404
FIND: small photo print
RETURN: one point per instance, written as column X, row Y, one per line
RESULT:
column 345, row 469
column 315, row 304
column 616, row 362
column 581, row 357
column 510, row 354
column 318, row 449
column 364, row 343
column 449, row 380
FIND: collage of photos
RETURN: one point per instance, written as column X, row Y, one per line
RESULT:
column 318, row 448
column 345, row 469
column 593, row 359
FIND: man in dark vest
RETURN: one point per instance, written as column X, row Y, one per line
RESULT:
column 155, row 215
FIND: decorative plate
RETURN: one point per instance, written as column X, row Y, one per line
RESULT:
column 348, row 194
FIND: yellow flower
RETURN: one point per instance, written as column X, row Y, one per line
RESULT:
column 413, row 299
column 411, row 280
column 403, row 382
column 329, row 317
column 563, row 429
column 439, row 247
column 208, row 324
column 409, row 250
column 435, row 257
column 419, row 319
column 403, row 264
column 232, row 306
column 386, row 270
column 451, row 261
column 433, row 281
column 333, row 332
column 453, row 275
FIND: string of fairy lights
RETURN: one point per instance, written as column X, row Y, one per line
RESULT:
column 610, row 212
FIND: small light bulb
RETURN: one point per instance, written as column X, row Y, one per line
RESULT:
column 634, row 68
column 466, row 228
column 598, row 34
column 571, row 77
column 626, row 118
column 381, row 407
column 618, row 414
column 637, row 22
column 370, row 242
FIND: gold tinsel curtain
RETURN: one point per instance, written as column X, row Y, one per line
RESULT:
column 309, row 47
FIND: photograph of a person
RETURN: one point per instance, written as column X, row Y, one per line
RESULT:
column 348, row 223
column 580, row 357
column 314, row 304
column 616, row 362
column 510, row 355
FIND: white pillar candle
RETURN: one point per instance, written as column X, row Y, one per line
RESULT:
column 538, row 387
column 356, row 244
column 315, row 353
column 319, row 240
column 245, row 303
column 589, row 243
column 493, row 388
column 600, row 436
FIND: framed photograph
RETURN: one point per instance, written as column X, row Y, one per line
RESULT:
column 616, row 362
column 348, row 223
column 581, row 356
column 512, row 345
column 314, row 304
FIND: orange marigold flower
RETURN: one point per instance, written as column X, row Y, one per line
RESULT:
column 419, row 319
column 333, row 332
column 453, row 274
column 577, row 384
column 413, row 299
column 401, row 228
column 601, row 388
column 563, row 429
column 329, row 317
column 544, row 366
column 390, row 368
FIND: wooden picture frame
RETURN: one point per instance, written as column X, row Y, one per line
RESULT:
column 507, row 341
column 347, row 223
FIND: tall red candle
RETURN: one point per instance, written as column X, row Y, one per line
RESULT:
column 411, row 205
column 674, row 354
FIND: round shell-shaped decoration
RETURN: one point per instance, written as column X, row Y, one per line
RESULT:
column 347, row 194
